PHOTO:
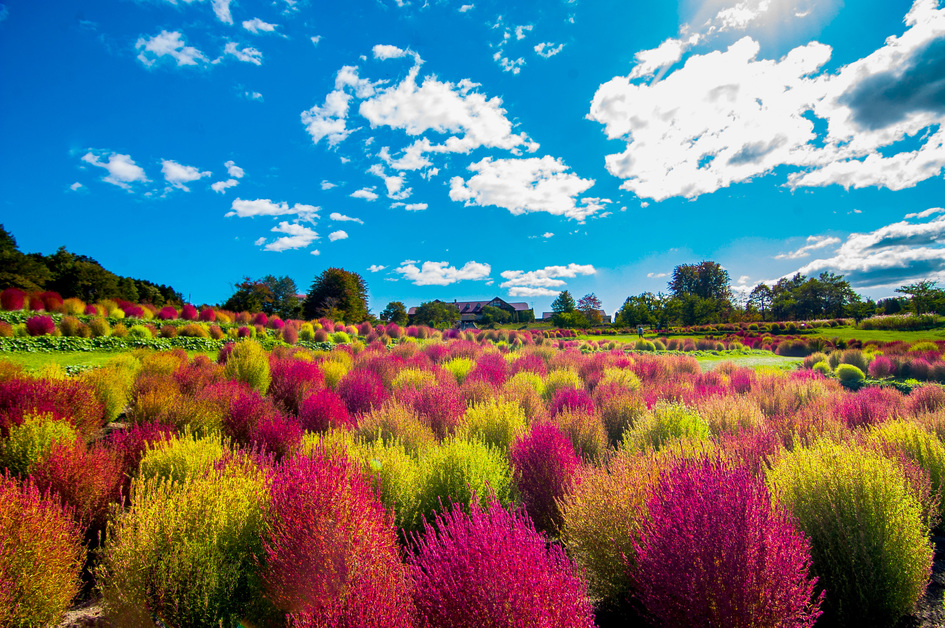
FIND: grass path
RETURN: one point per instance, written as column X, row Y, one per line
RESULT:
column 34, row 361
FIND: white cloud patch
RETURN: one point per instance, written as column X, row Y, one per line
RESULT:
column 926, row 213
column 233, row 170
column 383, row 52
column 526, row 185
column 466, row 8
column 257, row 26
column 298, row 237
column 441, row 273
column 179, row 175
column 122, row 170
column 258, row 97
column 376, row 268
column 342, row 218
column 168, row 44
column 76, row 186
column 235, row 173
column 327, row 185
column 729, row 116
column 657, row 275
column 222, row 10
column 545, row 282
column 222, row 186
column 316, row 39
column 547, row 235
column 521, row 31
column 814, row 243
column 509, row 65
column 367, row 194
column 338, row 235
column 260, row 241
column 316, row 252
column 415, row 207
column 246, row 55
column 547, row 49
column 894, row 255
column 265, row 207
column 329, row 120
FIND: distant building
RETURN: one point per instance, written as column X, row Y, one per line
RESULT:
column 471, row 312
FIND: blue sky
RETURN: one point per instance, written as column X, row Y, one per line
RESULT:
column 471, row 149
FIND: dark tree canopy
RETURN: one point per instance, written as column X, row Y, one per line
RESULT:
column 706, row 280
column 563, row 304
column 435, row 314
column 395, row 312
column 337, row 294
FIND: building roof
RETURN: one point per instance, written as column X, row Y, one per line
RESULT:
column 475, row 307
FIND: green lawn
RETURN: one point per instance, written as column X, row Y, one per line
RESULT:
column 34, row 361
column 708, row 363
column 846, row 333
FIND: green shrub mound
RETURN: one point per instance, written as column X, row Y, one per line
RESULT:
column 869, row 543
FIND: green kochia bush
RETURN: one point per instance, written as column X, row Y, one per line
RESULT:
column 663, row 424
column 249, row 363
column 29, row 442
column 869, row 544
column 186, row 551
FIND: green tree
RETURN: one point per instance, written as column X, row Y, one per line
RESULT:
column 395, row 312
column 285, row 301
column 250, row 296
column 436, row 314
column 492, row 315
column 564, row 303
column 760, row 299
column 590, row 307
column 18, row 270
column 337, row 294
column 644, row 309
column 924, row 297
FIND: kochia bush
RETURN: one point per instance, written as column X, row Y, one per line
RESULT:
column 713, row 551
column 492, row 568
column 247, row 362
column 543, row 468
column 40, row 325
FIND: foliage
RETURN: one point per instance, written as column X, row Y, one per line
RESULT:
column 40, row 557
column 435, row 314
column 563, row 303
column 248, row 363
column 491, row 568
column 868, row 541
column 713, row 551
column 543, row 467
column 361, row 390
column 666, row 422
column 395, row 312
column 497, row 423
column 28, row 443
column 339, row 295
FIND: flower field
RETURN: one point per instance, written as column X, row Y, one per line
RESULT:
column 378, row 476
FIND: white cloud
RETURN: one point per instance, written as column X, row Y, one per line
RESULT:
column 813, row 243
column 253, row 96
column 316, row 39
column 221, row 186
column 327, row 185
column 316, row 252
column 265, row 207
column 222, row 10
column 441, row 273
column 548, row 49
column 257, row 26
column 166, row 44
column 547, row 235
column 509, row 65
column 415, row 207
column 328, row 120
column 122, row 170
column 338, row 235
column 260, row 241
column 657, row 275
column 385, row 51
column 178, row 175
column 246, row 55
column 375, row 268
column 298, row 237
column 525, row 185
column 394, row 183
column 926, row 213
column 521, row 31
column 547, row 281
column 367, row 194
column 728, row 116
column 466, row 7
column 342, row 218
column 233, row 170
column 76, row 186
column 897, row 254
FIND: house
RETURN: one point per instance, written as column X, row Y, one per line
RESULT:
column 604, row 317
column 472, row 311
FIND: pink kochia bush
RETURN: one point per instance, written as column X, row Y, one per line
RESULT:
column 715, row 552
column 12, row 299
column 188, row 312
column 167, row 313
column 40, row 325
column 492, row 568
column 330, row 552
column 361, row 390
column 543, row 467
column 292, row 381
column 323, row 410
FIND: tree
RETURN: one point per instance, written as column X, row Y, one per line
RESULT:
column 644, row 309
column 590, row 306
column 250, row 296
column 563, row 304
column 285, row 300
column 706, row 280
column 436, row 314
column 925, row 297
column 338, row 294
column 395, row 312
column 492, row 315
column 760, row 299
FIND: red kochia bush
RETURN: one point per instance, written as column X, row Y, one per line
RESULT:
column 167, row 313
column 441, row 406
column 571, row 399
column 292, row 381
column 715, row 552
column 247, row 410
column 12, row 299
column 278, row 435
column 543, row 467
column 881, row 367
column 208, row 315
column 40, row 325
column 331, row 556
column 69, row 400
column 324, row 409
column 491, row 368
column 361, row 390
column 869, row 406
column 492, row 568
column 188, row 312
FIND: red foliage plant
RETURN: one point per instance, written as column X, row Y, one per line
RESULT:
column 208, row 315
column 292, row 381
column 361, row 390
column 491, row 368
column 66, row 400
column 194, row 376
column 331, row 555
column 881, row 367
column 543, row 467
column 576, row 399
column 290, row 334
column 12, row 299
column 131, row 444
column 440, row 407
column 278, row 435
column 260, row 319
column 51, row 300
column 167, row 313
column 40, row 325
column 530, row 362
column 492, row 568
column 714, row 551
column 869, row 406
column 188, row 312
column 275, row 323
column 323, row 410
column 247, row 409
column 929, row 398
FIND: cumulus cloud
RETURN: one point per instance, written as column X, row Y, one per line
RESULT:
column 728, row 116
column 179, row 175
column 926, row 213
column 657, row 275
column 545, row 282
column 316, row 252
column 383, row 52
column 376, row 268
column 257, row 26
column 526, row 185
column 122, row 170
column 367, row 194
column 329, row 120
column 813, row 243
column 415, row 207
column 246, row 55
column 298, row 237
column 441, row 273
column 222, row 186
column 547, row 49
column 75, row 187
column 466, row 7
column 265, row 207
column 222, row 10
column 168, row 44
column 233, row 170
column 897, row 254
column 342, row 218
column 260, row 241
column 338, row 235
